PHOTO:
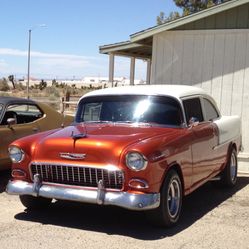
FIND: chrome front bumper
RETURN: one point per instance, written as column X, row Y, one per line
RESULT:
column 95, row 196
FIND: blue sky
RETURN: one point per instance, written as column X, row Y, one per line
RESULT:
column 68, row 46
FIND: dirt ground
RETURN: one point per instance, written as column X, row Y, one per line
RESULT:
column 211, row 218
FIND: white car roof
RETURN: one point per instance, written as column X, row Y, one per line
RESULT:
column 177, row 91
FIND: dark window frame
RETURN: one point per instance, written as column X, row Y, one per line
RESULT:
column 187, row 111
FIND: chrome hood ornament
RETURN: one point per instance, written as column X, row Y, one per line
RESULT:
column 73, row 156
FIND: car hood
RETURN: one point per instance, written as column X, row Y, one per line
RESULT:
column 89, row 144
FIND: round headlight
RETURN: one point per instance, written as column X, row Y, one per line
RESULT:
column 136, row 161
column 16, row 154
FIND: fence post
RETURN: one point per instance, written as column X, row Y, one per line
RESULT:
column 67, row 98
column 62, row 105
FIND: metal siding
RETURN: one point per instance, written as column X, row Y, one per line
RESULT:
column 239, row 68
column 154, row 60
column 177, row 59
column 227, row 81
column 230, row 19
column 209, row 22
column 216, row 60
column 220, row 20
column 189, row 26
column 199, row 24
column 242, row 18
column 168, row 58
column 245, row 101
column 198, row 59
column 187, row 60
column 208, row 54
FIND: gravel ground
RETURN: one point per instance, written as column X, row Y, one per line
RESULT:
column 211, row 218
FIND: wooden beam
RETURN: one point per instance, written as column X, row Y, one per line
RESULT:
column 148, row 74
column 132, row 71
column 111, row 68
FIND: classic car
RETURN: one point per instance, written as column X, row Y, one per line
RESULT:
column 137, row 147
column 21, row 117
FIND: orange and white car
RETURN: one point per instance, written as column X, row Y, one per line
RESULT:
column 138, row 147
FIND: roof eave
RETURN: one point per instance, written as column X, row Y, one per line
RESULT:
column 107, row 49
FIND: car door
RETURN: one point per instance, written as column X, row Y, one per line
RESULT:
column 203, row 140
column 26, row 123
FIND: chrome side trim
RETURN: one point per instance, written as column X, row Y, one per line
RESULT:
column 99, row 196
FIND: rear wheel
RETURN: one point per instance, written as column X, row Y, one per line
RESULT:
column 229, row 174
column 32, row 202
column 168, row 213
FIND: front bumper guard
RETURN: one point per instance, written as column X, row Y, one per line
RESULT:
column 94, row 196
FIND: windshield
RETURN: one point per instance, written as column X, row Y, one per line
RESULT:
column 145, row 109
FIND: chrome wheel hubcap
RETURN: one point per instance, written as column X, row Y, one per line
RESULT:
column 174, row 197
column 233, row 167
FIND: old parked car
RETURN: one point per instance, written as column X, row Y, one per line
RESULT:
column 138, row 147
column 21, row 117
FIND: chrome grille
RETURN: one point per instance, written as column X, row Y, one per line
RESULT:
column 78, row 175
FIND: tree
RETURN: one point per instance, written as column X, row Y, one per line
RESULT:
column 192, row 6
column 55, row 83
column 188, row 7
column 163, row 19
column 11, row 78
column 42, row 85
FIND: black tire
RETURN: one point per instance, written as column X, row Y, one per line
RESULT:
column 32, row 202
column 229, row 174
column 168, row 213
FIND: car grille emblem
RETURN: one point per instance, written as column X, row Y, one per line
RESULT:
column 73, row 156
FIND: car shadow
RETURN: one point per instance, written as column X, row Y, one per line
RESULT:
column 117, row 221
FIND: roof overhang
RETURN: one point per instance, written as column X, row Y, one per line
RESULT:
column 128, row 49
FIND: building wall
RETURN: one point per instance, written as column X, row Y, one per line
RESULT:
column 216, row 60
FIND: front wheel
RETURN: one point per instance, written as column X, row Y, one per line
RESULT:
column 32, row 202
column 168, row 213
column 229, row 174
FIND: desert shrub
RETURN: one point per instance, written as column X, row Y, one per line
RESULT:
column 53, row 90
column 4, row 85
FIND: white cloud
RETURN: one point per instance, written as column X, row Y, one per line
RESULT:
column 61, row 65
column 17, row 52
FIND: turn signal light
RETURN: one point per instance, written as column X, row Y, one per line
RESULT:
column 138, row 184
column 18, row 173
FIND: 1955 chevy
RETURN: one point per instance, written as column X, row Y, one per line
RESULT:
column 137, row 147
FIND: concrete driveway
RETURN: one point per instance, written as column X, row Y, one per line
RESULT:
column 211, row 218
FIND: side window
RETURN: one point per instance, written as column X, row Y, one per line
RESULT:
column 23, row 113
column 211, row 112
column 193, row 109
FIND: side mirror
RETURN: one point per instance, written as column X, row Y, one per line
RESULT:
column 193, row 122
column 11, row 121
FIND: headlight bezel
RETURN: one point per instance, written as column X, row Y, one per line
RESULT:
column 140, row 156
column 19, row 152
